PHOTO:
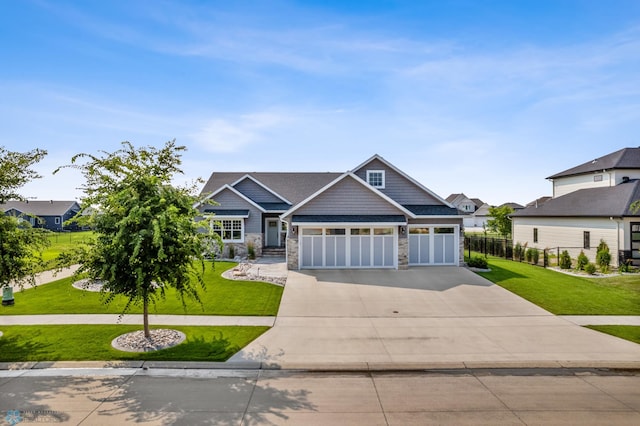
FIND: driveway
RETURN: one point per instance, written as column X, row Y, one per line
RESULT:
column 432, row 316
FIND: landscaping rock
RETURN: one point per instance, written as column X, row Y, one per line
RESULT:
column 137, row 342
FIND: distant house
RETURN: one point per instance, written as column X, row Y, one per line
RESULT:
column 538, row 201
column 467, row 206
column 373, row 216
column 590, row 202
column 50, row 215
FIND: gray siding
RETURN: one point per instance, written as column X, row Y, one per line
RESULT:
column 436, row 221
column 256, row 192
column 397, row 187
column 347, row 197
column 228, row 200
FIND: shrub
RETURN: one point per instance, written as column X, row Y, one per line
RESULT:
column 565, row 260
column 251, row 251
column 590, row 268
column 478, row 262
column 518, row 251
column 603, row 258
column 625, row 266
column 232, row 251
column 527, row 255
column 582, row 261
column 535, row 256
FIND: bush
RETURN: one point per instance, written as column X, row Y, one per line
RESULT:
column 232, row 251
column 527, row 255
column 535, row 256
column 582, row 261
column 478, row 262
column 251, row 251
column 590, row 268
column 518, row 251
column 625, row 266
column 565, row 260
column 603, row 258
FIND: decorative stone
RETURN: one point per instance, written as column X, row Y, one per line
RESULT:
column 137, row 342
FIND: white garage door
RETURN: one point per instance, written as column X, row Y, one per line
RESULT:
column 362, row 247
column 433, row 245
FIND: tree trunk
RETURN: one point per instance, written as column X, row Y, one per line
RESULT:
column 145, row 315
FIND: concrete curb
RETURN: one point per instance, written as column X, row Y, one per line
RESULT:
column 326, row 367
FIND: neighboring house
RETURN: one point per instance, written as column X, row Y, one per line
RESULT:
column 591, row 202
column 50, row 215
column 374, row 216
column 538, row 201
column 467, row 207
column 514, row 206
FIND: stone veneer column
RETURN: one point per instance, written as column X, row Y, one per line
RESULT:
column 292, row 254
column 403, row 252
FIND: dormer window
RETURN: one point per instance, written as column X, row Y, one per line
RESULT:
column 375, row 178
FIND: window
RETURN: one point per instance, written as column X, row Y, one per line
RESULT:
column 57, row 221
column 586, row 239
column 597, row 178
column 635, row 240
column 535, row 235
column 229, row 229
column 375, row 178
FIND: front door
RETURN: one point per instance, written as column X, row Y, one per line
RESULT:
column 273, row 233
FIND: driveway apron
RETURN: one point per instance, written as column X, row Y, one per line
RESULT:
column 433, row 315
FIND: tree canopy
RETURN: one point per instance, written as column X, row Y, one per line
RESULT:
column 20, row 244
column 147, row 238
column 16, row 171
column 500, row 221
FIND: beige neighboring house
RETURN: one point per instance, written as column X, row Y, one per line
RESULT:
column 467, row 207
column 590, row 202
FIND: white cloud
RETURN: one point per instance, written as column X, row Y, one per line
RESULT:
column 235, row 134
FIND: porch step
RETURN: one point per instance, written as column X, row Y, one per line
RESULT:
column 274, row 252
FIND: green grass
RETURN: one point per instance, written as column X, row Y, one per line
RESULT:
column 564, row 294
column 61, row 241
column 221, row 297
column 93, row 342
column 627, row 332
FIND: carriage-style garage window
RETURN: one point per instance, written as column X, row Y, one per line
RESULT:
column 231, row 230
column 375, row 178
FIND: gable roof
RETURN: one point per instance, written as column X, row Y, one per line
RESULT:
column 292, row 187
column 612, row 201
column 514, row 206
column 404, row 175
column 40, row 207
column 478, row 202
column 236, row 193
column 356, row 179
column 626, row 158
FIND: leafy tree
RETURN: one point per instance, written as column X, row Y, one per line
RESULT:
column 147, row 238
column 500, row 222
column 15, row 171
column 20, row 244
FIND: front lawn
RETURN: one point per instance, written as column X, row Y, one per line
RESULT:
column 221, row 297
column 564, row 294
column 93, row 343
column 628, row 332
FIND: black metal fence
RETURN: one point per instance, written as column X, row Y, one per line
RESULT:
column 500, row 247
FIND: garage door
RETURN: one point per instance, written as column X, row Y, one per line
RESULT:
column 361, row 247
column 432, row 245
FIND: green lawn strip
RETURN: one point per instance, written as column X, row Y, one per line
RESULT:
column 93, row 343
column 564, row 294
column 61, row 241
column 627, row 332
column 221, row 297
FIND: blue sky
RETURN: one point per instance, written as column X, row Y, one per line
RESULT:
column 482, row 97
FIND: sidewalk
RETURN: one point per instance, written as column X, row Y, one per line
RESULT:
column 203, row 320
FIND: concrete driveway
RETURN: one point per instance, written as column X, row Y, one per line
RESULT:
column 433, row 316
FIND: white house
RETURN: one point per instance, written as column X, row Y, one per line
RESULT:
column 591, row 202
